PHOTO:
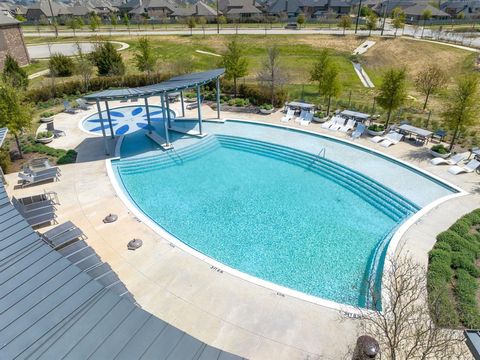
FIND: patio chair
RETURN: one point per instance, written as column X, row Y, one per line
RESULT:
column 31, row 178
column 83, row 105
column 300, row 117
column 348, row 126
column 338, row 123
column 62, row 235
column 42, row 214
column 288, row 116
column 392, row 138
column 68, row 108
column 307, row 119
column 469, row 168
column 358, row 131
column 454, row 160
column 35, row 202
column 329, row 123
column 379, row 138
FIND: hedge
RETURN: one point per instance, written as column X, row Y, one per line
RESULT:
column 258, row 96
column 465, row 291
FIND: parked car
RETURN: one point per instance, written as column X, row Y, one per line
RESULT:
column 293, row 26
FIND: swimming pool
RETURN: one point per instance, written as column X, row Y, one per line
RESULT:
column 125, row 120
column 260, row 200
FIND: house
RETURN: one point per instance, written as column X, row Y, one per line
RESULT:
column 199, row 9
column 239, row 8
column 415, row 13
column 466, row 9
column 11, row 41
column 153, row 9
column 310, row 8
column 387, row 6
column 44, row 10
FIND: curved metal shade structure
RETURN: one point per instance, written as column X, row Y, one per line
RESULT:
column 177, row 83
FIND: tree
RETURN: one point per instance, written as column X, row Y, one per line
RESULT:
column 221, row 20
column 61, row 65
column 399, row 17
column 430, row 80
column 318, row 72
column 202, row 22
column 15, row 114
column 144, row 57
column 108, row 61
column 426, row 15
column 126, row 21
column 74, row 24
column 392, row 92
column 325, row 73
column 405, row 327
column 272, row 75
column 371, row 22
column 300, row 20
column 345, row 23
column 365, row 11
column 462, row 109
column 13, row 73
column 94, row 22
column 191, row 24
column 113, row 20
column 235, row 63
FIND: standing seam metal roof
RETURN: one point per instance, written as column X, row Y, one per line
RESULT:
column 51, row 309
column 174, row 84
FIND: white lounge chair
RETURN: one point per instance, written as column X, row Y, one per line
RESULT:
column 392, row 138
column 358, row 131
column 470, row 167
column 307, row 119
column 328, row 123
column 288, row 116
column 348, row 126
column 338, row 123
column 300, row 117
column 454, row 160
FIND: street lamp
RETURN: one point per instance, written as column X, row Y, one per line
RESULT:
column 358, row 16
column 218, row 24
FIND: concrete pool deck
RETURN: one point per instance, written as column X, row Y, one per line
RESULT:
column 214, row 306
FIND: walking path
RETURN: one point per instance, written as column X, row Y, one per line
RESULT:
column 362, row 75
column 44, row 51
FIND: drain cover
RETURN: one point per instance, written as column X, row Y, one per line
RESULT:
column 134, row 244
column 110, row 218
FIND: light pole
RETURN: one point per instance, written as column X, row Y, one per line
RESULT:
column 358, row 16
column 54, row 23
column 218, row 24
column 384, row 17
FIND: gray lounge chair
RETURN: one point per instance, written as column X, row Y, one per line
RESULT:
column 68, row 108
column 35, row 202
column 31, row 178
column 358, row 131
column 39, row 216
column 82, row 104
column 62, row 235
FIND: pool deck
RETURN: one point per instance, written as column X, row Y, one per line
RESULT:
column 216, row 307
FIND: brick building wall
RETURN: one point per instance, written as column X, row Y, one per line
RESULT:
column 11, row 42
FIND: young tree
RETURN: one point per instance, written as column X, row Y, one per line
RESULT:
column 61, row 65
column 202, row 22
column 331, row 86
column 191, row 24
column 222, row 20
column 144, row 57
column 430, row 80
column 392, row 92
column 107, row 59
column 15, row 114
column 318, row 72
column 300, row 20
column 426, row 15
column 94, row 22
column 74, row 24
column 113, row 20
column 235, row 63
column 272, row 75
column 126, row 21
column 398, row 17
column 345, row 23
column 371, row 22
column 13, row 73
column 462, row 109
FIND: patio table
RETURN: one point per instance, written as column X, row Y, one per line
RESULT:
column 419, row 132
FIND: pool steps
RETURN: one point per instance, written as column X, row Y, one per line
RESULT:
column 389, row 202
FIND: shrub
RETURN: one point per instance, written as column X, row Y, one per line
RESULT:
column 461, row 226
column 465, row 290
column 473, row 217
column 5, row 161
column 464, row 261
column 266, row 107
column 12, row 72
column 44, row 134
column 47, row 114
column 440, row 265
column 257, row 96
column 440, row 149
column 70, row 157
column 107, row 59
column 458, row 243
column 61, row 65
column 376, row 127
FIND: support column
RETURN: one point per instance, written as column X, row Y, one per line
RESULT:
column 218, row 98
column 183, row 104
column 148, row 116
column 99, row 109
column 168, row 112
column 109, row 120
column 162, row 98
column 199, row 107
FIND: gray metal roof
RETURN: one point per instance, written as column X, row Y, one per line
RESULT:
column 174, row 84
column 50, row 308
column 3, row 135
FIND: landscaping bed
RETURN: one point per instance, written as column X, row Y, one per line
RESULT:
column 453, row 274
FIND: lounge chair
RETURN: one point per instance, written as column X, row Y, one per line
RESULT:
column 392, row 138
column 31, row 178
column 83, row 105
column 307, row 119
column 348, row 126
column 63, row 235
column 328, row 123
column 68, row 108
column 358, row 131
column 300, row 117
column 454, row 160
column 338, row 123
column 288, row 116
column 377, row 139
column 35, row 202
column 470, row 167
column 41, row 214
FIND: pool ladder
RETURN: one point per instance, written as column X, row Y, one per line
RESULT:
column 320, row 154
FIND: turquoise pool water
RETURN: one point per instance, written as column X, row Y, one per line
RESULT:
column 271, row 211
